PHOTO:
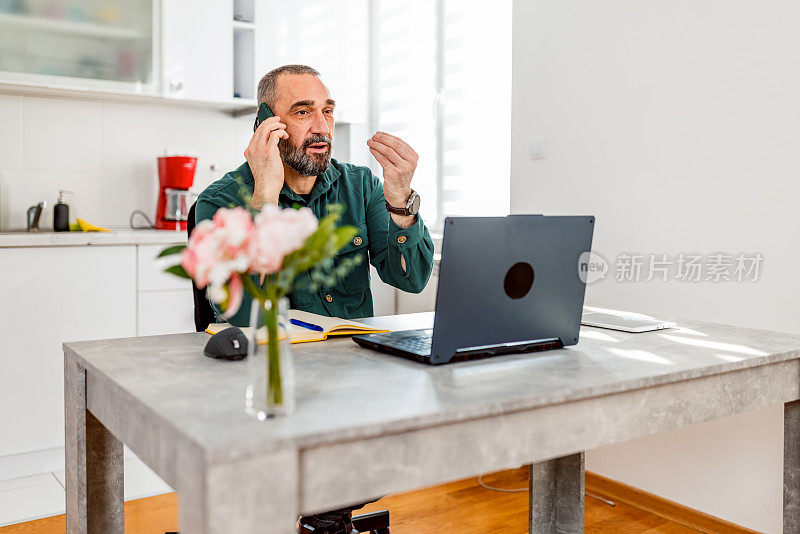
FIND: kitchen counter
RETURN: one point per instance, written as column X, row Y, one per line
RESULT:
column 68, row 239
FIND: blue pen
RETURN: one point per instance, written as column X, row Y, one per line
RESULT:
column 306, row 325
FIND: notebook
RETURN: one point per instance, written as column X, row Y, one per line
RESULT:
column 331, row 326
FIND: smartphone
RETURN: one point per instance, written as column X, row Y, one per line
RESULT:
column 263, row 114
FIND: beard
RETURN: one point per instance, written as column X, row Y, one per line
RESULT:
column 305, row 164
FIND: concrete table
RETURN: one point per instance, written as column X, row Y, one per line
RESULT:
column 369, row 424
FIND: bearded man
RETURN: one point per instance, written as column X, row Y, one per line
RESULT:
column 289, row 163
column 300, row 171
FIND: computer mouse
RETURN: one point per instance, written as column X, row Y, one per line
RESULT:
column 228, row 344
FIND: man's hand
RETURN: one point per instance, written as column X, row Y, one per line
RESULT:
column 399, row 161
column 265, row 162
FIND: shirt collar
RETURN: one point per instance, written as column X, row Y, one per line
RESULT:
column 321, row 186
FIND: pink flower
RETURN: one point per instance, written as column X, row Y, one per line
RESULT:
column 232, row 244
column 236, row 293
column 236, row 223
column 217, row 249
column 278, row 232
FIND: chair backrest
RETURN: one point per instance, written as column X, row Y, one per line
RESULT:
column 203, row 312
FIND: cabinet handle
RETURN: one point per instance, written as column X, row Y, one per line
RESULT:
column 175, row 85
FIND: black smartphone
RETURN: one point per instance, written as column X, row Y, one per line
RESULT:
column 263, row 114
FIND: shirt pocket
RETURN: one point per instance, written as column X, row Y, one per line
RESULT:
column 357, row 280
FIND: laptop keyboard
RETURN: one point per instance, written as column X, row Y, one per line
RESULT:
column 417, row 344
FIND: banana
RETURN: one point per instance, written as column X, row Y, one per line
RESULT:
column 88, row 227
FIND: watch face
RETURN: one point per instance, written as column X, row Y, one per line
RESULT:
column 413, row 204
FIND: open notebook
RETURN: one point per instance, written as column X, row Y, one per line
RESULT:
column 331, row 326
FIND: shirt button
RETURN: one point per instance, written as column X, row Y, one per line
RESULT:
column 401, row 239
column 328, row 297
column 357, row 241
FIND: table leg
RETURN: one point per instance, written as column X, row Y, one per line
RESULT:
column 256, row 495
column 556, row 496
column 791, row 467
column 94, row 463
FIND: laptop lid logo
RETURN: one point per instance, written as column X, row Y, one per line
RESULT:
column 518, row 280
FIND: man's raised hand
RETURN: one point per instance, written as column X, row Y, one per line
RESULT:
column 399, row 161
column 265, row 162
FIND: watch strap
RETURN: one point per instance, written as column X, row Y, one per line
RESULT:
column 405, row 210
column 398, row 211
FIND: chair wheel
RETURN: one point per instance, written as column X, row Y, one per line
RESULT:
column 381, row 531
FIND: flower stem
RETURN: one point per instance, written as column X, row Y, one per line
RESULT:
column 274, row 382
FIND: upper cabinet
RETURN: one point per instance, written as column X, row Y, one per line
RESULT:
column 203, row 54
column 332, row 37
column 197, row 50
column 93, row 44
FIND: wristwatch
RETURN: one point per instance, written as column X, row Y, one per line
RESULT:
column 411, row 207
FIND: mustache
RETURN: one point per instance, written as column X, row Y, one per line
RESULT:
column 317, row 138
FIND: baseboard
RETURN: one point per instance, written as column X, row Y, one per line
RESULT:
column 678, row 513
column 37, row 462
column 31, row 463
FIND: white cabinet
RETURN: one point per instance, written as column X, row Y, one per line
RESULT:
column 55, row 294
column 51, row 295
column 82, row 45
column 165, row 312
column 135, row 51
column 331, row 37
column 197, row 46
column 150, row 269
column 165, row 304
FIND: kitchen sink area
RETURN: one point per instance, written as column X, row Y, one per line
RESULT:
column 18, row 237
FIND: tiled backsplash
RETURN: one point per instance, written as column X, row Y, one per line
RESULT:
column 105, row 153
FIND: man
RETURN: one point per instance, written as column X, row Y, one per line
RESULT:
column 300, row 170
column 289, row 162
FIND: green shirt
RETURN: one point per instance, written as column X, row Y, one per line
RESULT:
column 379, row 239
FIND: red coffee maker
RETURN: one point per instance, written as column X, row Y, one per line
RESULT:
column 175, row 177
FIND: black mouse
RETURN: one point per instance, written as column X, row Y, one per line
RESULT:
column 228, row 344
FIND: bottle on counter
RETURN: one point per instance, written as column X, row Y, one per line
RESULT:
column 61, row 212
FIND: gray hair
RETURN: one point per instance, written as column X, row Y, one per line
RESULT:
column 268, row 86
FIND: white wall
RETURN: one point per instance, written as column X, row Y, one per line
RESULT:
column 676, row 124
column 105, row 153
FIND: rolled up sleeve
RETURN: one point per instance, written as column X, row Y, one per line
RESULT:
column 388, row 242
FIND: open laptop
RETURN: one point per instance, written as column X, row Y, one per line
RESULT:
column 506, row 284
column 622, row 322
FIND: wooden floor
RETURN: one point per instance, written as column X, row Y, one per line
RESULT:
column 461, row 506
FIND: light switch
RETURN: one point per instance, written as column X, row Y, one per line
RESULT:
column 537, row 148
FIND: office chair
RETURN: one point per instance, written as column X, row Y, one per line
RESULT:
column 203, row 312
column 375, row 522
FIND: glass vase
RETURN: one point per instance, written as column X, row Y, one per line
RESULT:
column 270, row 370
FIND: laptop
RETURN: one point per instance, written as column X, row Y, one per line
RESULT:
column 624, row 323
column 506, row 284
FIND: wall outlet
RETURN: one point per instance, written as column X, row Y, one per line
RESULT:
column 537, row 148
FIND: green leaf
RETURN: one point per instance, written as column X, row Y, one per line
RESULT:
column 169, row 251
column 177, row 270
